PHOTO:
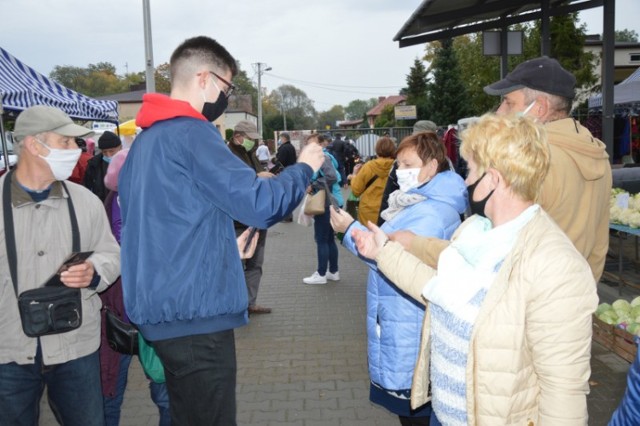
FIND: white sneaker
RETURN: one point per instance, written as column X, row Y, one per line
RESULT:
column 315, row 278
column 333, row 277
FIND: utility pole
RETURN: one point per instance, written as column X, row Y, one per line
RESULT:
column 260, row 66
column 284, row 113
column 150, row 75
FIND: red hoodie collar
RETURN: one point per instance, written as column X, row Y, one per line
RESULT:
column 157, row 107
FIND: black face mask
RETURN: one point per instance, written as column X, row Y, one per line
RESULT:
column 477, row 207
column 213, row 110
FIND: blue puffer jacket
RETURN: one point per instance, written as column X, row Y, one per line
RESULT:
column 628, row 413
column 180, row 190
column 394, row 320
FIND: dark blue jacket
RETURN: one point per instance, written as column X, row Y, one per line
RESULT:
column 180, row 190
column 628, row 413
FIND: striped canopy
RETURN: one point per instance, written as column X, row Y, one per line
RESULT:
column 625, row 92
column 21, row 87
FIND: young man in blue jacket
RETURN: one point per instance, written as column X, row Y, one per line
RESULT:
column 180, row 190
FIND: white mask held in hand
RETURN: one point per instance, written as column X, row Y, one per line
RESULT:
column 408, row 178
column 61, row 161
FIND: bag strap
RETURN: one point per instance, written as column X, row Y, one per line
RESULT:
column 9, row 232
column 373, row 179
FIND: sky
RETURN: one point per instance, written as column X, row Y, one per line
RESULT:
column 334, row 50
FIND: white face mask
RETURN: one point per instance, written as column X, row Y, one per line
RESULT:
column 408, row 178
column 61, row 161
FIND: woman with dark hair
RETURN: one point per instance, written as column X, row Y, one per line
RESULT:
column 369, row 179
column 429, row 202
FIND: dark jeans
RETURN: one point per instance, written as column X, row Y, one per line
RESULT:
column 326, row 243
column 201, row 378
column 113, row 406
column 414, row 421
column 73, row 389
column 434, row 420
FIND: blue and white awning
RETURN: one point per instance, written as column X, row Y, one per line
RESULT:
column 21, row 87
column 625, row 92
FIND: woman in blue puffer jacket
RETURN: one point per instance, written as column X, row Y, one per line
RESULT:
column 430, row 202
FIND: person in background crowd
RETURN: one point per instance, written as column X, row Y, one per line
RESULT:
column 628, row 412
column 326, row 177
column 392, row 181
column 77, row 176
column 286, row 156
column 114, row 366
column 338, row 149
column 576, row 191
column 263, row 155
column 43, row 206
column 243, row 146
column 350, row 156
column 499, row 345
column 430, row 201
column 109, row 143
column 370, row 180
column 180, row 190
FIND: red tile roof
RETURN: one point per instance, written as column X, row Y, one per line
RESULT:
column 389, row 100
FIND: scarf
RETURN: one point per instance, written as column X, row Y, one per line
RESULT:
column 398, row 200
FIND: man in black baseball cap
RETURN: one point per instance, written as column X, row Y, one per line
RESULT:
column 576, row 190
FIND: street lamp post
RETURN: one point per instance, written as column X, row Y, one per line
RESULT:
column 148, row 49
column 284, row 114
column 260, row 66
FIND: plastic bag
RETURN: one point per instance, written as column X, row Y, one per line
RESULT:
column 150, row 361
column 304, row 219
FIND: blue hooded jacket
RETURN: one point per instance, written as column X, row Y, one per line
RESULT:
column 180, row 190
column 394, row 319
column 628, row 412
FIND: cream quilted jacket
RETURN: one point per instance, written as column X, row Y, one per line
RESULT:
column 531, row 344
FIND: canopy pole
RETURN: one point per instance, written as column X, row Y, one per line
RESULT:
column 608, row 51
column 5, row 150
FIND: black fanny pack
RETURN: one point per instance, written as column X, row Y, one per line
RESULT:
column 50, row 309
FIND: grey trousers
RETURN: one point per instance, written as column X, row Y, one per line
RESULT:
column 253, row 266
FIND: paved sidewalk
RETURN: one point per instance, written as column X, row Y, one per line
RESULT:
column 305, row 364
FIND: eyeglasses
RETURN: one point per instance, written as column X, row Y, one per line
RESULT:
column 230, row 86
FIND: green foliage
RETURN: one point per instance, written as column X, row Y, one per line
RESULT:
column 447, row 98
column 477, row 71
column 330, row 117
column 228, row 134
column 386, row 117
column 358, row 108
column 244, row 86
column 416, row 90
column 626, row 35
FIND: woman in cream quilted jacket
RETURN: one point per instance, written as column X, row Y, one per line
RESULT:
column 507, row 335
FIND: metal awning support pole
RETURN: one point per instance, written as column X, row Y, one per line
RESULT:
column 545, row 39
column 608, row 50
column 5, row 150
column 504, row 50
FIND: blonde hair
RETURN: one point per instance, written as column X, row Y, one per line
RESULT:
column 515, row 146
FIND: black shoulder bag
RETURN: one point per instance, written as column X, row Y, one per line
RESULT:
column 46, row 310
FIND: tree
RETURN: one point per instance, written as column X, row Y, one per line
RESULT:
column 626, row 35
column 416, row 90
column 358, row 108
column 296, row 105
column 387, row 117
column 330, row 117
column 244, row 86
column 447, row 99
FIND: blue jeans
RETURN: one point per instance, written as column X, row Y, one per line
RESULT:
column 326, row 243
column 113, row 406
column 434, row 420
column 201, row 378
column 70, row 385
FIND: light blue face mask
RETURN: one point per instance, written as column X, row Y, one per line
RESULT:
column 106, row 159
column 526, row 110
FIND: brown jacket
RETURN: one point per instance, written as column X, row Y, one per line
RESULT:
column 371, row 196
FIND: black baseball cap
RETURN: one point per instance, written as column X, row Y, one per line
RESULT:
column 544, row 74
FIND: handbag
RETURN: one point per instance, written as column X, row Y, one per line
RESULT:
column 51, row 309
column 315, row 203
column 121, row 336
column 150, row 361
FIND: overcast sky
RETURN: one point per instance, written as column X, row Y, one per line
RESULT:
column 334, row 50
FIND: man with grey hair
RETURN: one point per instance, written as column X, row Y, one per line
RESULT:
column 49, row 218
column 577, row 189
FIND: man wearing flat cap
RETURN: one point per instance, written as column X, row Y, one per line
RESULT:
column 244, row 145
column 577, row 188
column 109, row 144
column 45, row 212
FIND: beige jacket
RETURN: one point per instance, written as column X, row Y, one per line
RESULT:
column 531, row 344
column 43, row 240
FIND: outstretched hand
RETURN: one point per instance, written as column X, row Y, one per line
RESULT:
column 312, row 155
column 340, row 220
column 369, row 243
column 242, row 243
